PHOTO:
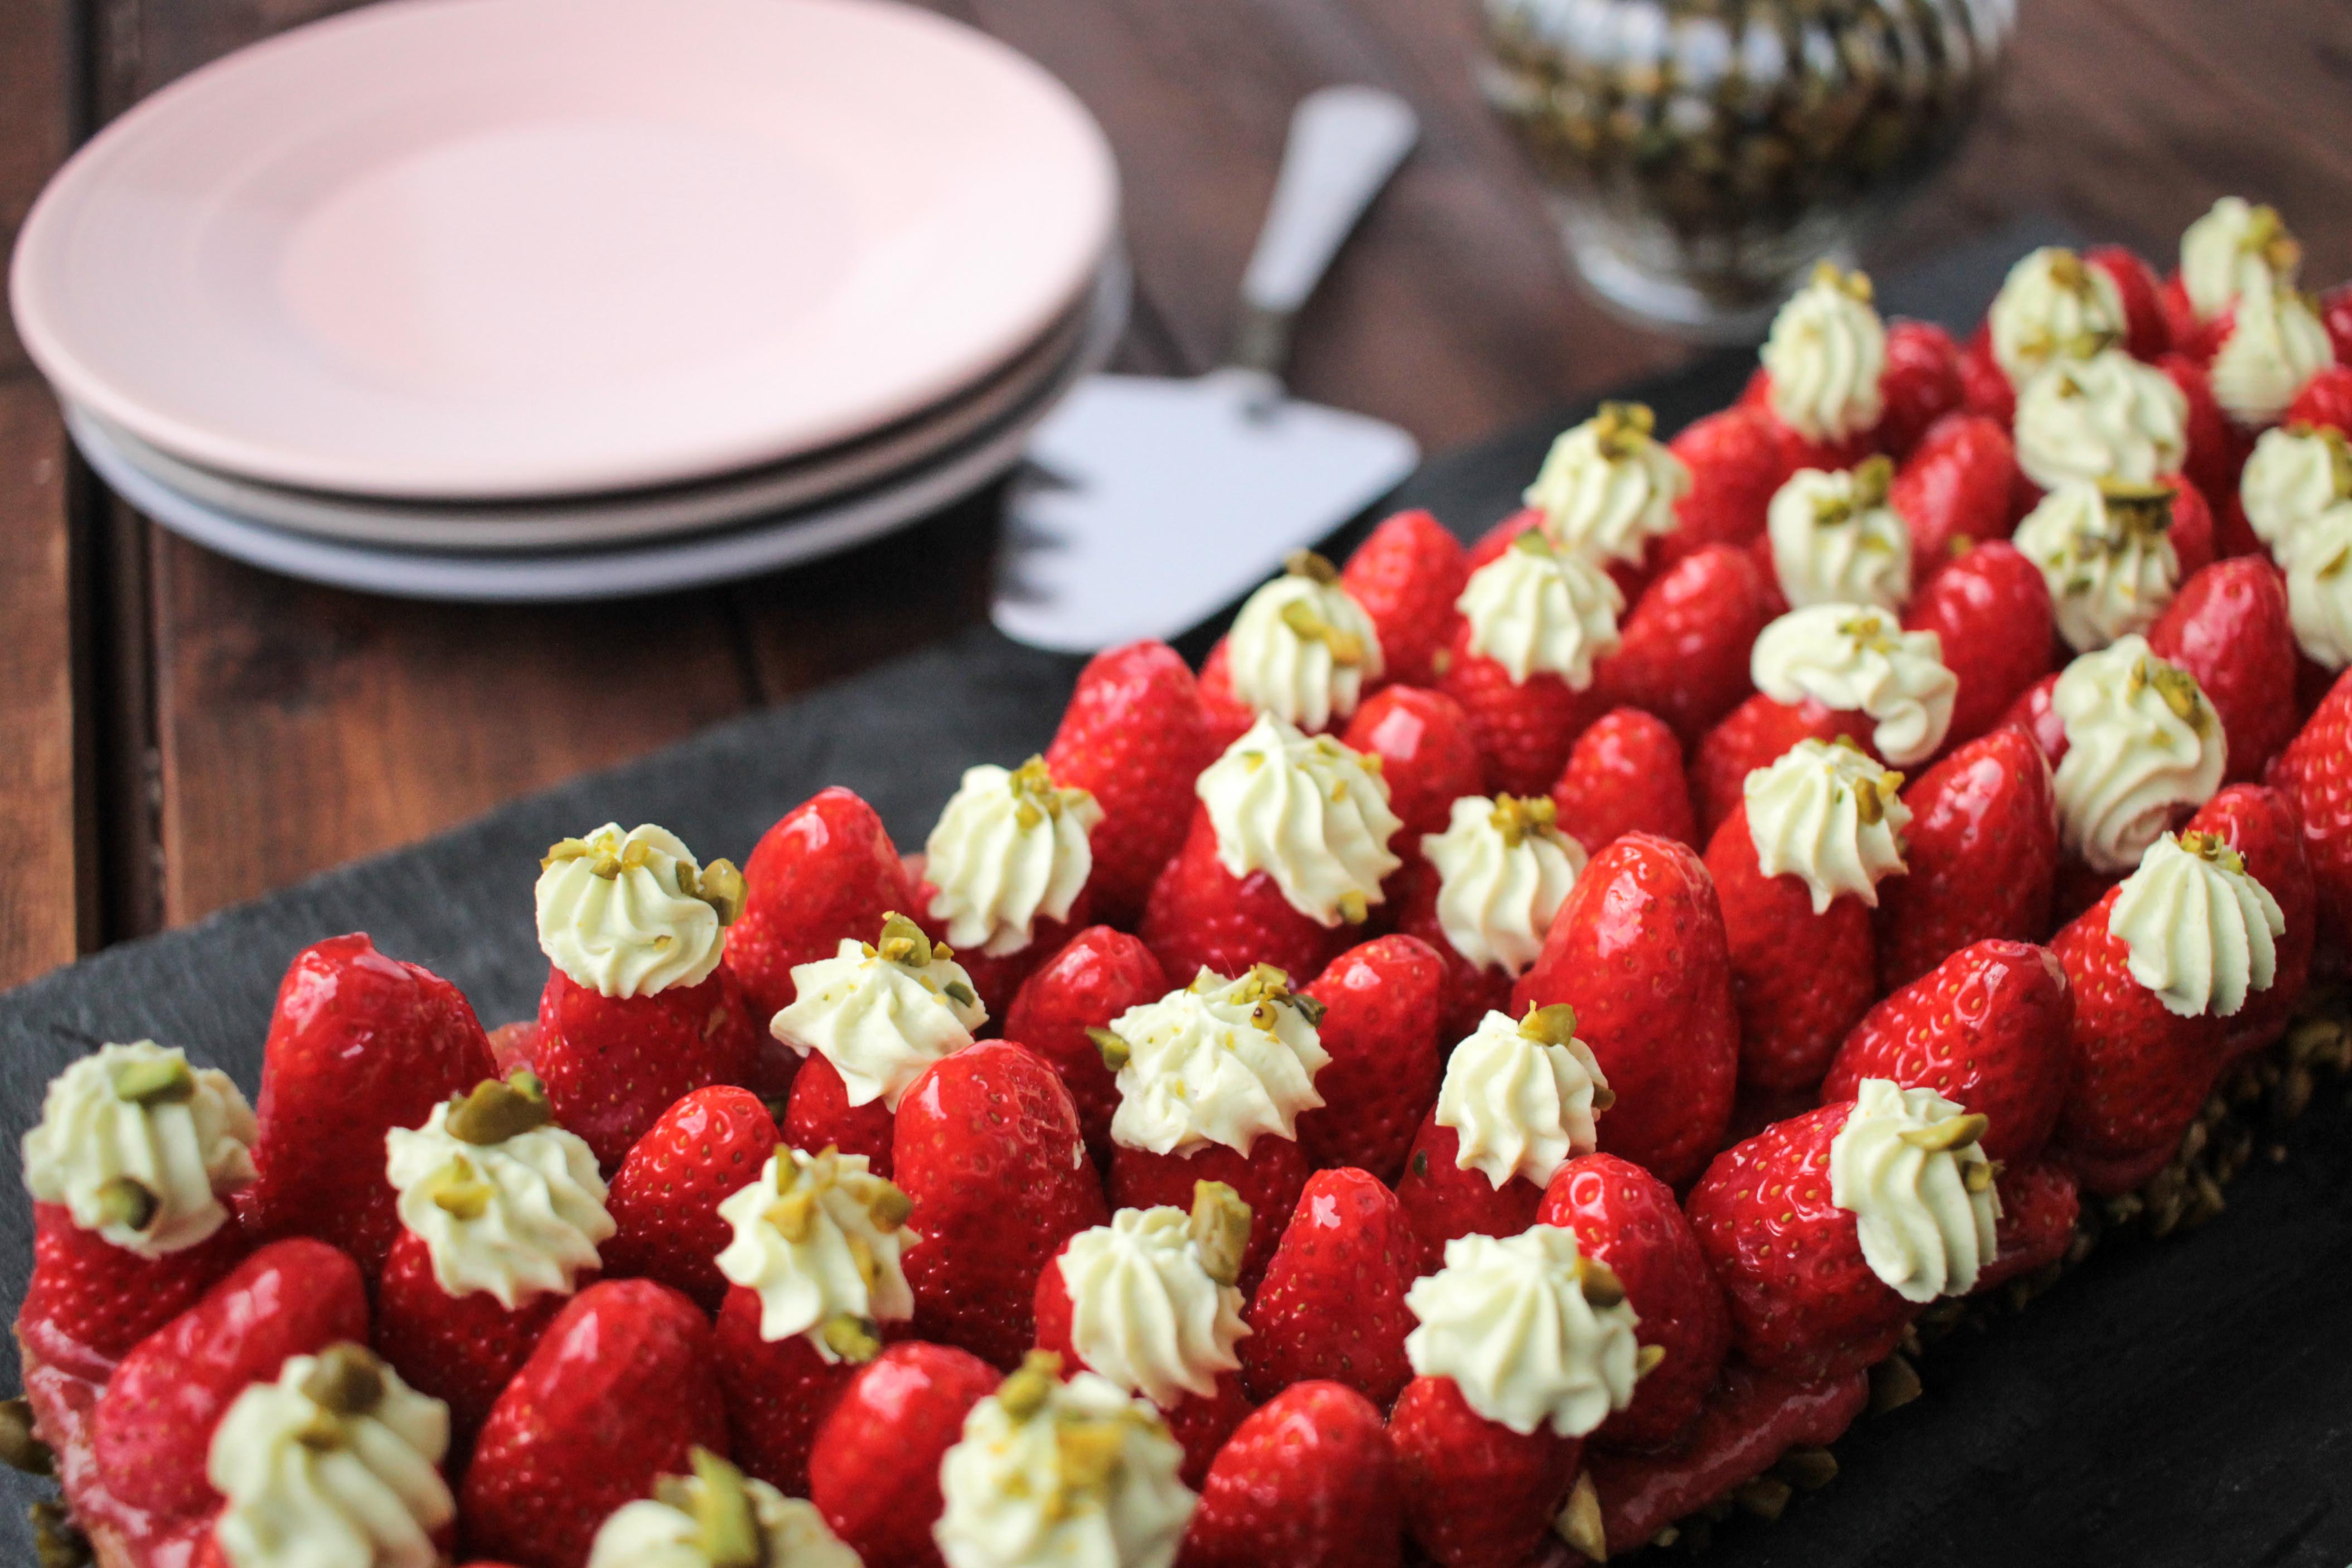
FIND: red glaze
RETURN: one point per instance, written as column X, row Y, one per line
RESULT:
column 1639, row 951
column 1202, row 916
column 1756, row 735
column 2229, row 629
column 1523, row 729
column 1955, row 490
column 2039, row 1201
column 89, row 1301
column 665, row 1198
column 1920, row 384
column 613, row 1064
column 1381, row 1006
column 1991, row 609
column 875, row 1470
column 1991, row 1029
column 359, row 1043
column 1308, row 1482
column 1269, row 1179
column 1097, row 976
column 1428, row 755
column 460, row 1349
column 1406, row 577
column 1477, row 1494
column 1683, row 653
column 1332, row 1305
column 1626, row 1218
column 1440, row 1201
column 778, row 1392
column 819, row 1116
column 1981, row 853
column 2316, row 773
column 1625, row 775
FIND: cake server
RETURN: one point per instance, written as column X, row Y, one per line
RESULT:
column 1151, row 502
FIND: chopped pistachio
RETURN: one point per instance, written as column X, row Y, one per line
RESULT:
column 496, row 1109
column 793, row 1215
column 852, row 1338
column 1619, row 429
column 348, row 1379
column 563, row 849
column 890, row 1206
column 460, row 1193
column 156, row 1080
column 1648, row 1359
column 903, row 942
column 1951, row 1132
column 20, row 1448
column 728, row 1528
column 1550, row 1026
column 127, row 1201
column 1026, row 1391
column 1599, row 1282
column 1308, row 564
column 721, row 886
column 1116, row 1052
column 1221, row 1228
column 1578, row 1520
column 957, row 991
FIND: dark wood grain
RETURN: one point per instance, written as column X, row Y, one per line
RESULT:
column 249, row 731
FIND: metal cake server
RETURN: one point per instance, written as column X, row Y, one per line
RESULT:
column 1151, row 502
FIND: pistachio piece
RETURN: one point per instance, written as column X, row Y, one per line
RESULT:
column 1550, row 1026
column 1221, row 1229
column 1086, row 1454
column 1648, row 1359
column 157, row 1080
column 1308, row 564
column 902, row 942
column 20, row 1448
column 729, row 1532
column 126, row 1201
column 720, row 885
column 563, row 849
column 1578, row 1520
column 1599, row 1282
column 852, row 1338
column 890, row 1208
column 1025, row 1392
column 1766, row 1496
column 1951, row 1132
column 58, row 1542
column 1807, row 1468
column 793, row 1215
column 1116, row 1052
column 348, row 1379
column 460, row 1193
column 1893, row 1384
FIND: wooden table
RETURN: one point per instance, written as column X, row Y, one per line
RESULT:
column 178, row 731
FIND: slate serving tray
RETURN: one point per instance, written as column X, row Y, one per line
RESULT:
column 2186, row 1402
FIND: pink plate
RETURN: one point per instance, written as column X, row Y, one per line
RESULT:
column 499, row 248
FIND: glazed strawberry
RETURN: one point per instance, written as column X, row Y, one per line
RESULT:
column 1736, row 460
column 1920, row 384
column 152, row 1427
column 1406, row 576
column 2190, row 335
column 359, row 1043
column 1098, row 975
column 796, row 1325
column 1984, row 385
column 1159, row 1265
column 1525, row 715
column 1442, row 1199
column 1683, row 654
column 1750, row 1420
column 1990, row 1028
column 869, row 1019
column 1991, row 609
column 513, row 1045
column 2266, row 830
column 665, row 1197
column 1380, row 1002
column 1268, row 1179
column 2316, row 773
column 2214, row 449
column 1224, row 717
column 1240, row 892
column 1639, row 951
column 1624, row 776
column 2193, row 540
column 1307, row 1480
column 1626, row 1220
column 875, row 1471
column 613, row 1064
column 1477, row 1494
column 2146, row 332
column 1484, row 899
column 1470, row 989
column 1332, row 1303
column 126, row 1237
column 2229, row 629
column 2325, row 400
column 825, row 872
column 1804, row 1298
column 1981, row 852
column 501, row 1217
column 1134, row 736
column 1758, row 734
column 2039, row 1202
column 1491, row 544
column 990, row 1121
column 2034, row 714
column 1955, row 488
column 622, row 1388
column 1428, row 757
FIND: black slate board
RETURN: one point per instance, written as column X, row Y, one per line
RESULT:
column 2180, row 1402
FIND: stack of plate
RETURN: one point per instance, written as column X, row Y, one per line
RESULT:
column 569, row 299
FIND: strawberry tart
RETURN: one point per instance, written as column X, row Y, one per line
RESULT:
column 1502, row 1067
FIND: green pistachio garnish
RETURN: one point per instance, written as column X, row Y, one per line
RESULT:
column 1310, row 565
column 1951, row 1132
column 1517, row 816
column 1622, row 429
column 726, row 1525
column 126, row 1201
column 902, row 942
column 496, row 1109
column 1221, row 1228
column 852, row 1338
column 1116, row 1052
column 348, row 1379
column 156, row 1080
column 1025, row 1392
column 20, row 1448
column 1599, row 1283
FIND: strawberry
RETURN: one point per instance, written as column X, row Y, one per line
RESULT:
column 1440, row 1201
column 819, row 1116
column 1477, row 1494
column 1981, row 854
column 1639, row 951
column 1749, row 1421
column 1200, row 916
column 359, row 1043
column 2147, row 334
column 990, row 1121
column 1758, row 734
column 613, row 1064
column 1224, row 717
column 1955, row 488
column 2140, row 1072
column 1624, row 776
column 621, row 1389
column 2325, row 400
column 1135, row 734
column 2189, row 337
column 1406, row 577
column 1991, row 609
column 1269, row 1179
column 1332, row 1303
column 1381, row 1005
column 1628, row 1221
column 461, row 1350
column 1307, row 1480
column 2034, row 714
column 1683, row 653
column 153, row 1425
column 1984, row 385
column 2264, row 827
column 1991, row 1028
column 997, row 978
column 1737, row 461
column 2316, row 773
column 1920, row 384
column 1803, row 1299
column 1097, row 976
column 825, row 872
column 665, row 1197
column 1523, row 729
column 2228, row 626
column 2193, row 541
column 1470, row 990
column 2039, row 1202
column 2214, row 449
column 90, row 1301
column 778, row 1392
column 2335, row 315
column 874, row 1472
column 513, row 1045
column 1499, row 538
column 1428, row 755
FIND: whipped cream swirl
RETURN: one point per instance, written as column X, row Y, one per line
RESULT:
column 140, row 1147
column 1221, row 1061
column 1521, row 1096
column 2201, row 931
column 1835, row 540
column 2052, row 306
column 2319, row 587
column 1537, row 609
column 1144, row 1312
column 663, row 1532
column 1828, row 815
column 1308, row 812
column 1302, row 648
column 1858, row 659
column 819, row 1239
column 2105, row 417
column 2106, row 552
column 1529, row 1330
column 1009, row 848
column 1907, row 1165
column 517, row 1218
column 2142, row 743
column 2235, row 247
column 2294, row 473
column 1503, row 869
column 630, row 914
column 881, row 1015
column 2276, row 343
column 1609, row 486
column 1826, row 354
